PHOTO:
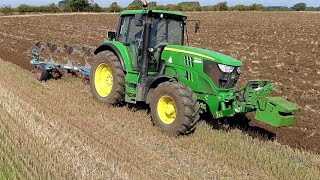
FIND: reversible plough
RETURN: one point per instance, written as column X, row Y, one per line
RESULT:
column 46, row 67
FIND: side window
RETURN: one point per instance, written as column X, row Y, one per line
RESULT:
column 175, row 33
column 123, row 32
column 129, row 32
column 135, row 32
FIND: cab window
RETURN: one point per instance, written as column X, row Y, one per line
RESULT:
column 129, row 32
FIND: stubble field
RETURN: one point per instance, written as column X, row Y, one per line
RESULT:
column 45, row 134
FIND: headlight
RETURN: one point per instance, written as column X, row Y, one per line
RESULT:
column 239, row 70
column 223, row 76
column 226, row 68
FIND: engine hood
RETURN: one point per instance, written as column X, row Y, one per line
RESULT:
column 204, row 54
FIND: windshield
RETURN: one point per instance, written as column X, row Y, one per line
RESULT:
column 166, row 30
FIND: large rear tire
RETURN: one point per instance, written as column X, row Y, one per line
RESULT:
column 174, row 108
column 107, row 78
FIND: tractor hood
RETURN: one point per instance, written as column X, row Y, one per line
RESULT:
column 204, row 54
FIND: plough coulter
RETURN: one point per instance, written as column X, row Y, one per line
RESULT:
column 146, row 60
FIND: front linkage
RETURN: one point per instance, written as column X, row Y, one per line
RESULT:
column 256, row 97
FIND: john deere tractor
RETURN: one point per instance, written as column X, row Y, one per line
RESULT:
column 146, row 60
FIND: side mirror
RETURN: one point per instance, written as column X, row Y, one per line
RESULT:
column 197, row 27
column 138, row 18
column 111, row 35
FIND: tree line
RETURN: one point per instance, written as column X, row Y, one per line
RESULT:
column 90, row 6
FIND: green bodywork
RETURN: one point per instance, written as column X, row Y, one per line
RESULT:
column 186, row 65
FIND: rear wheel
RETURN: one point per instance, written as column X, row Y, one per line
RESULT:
column 42, row 73
column 174, row 108
column 107, row 78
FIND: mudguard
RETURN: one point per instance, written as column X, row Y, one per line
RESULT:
column 120, row 50
column 156, row 80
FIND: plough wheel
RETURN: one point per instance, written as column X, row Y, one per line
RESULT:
column 107, row 78
column 42, row 73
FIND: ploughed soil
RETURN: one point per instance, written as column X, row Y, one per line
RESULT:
column 283, row 47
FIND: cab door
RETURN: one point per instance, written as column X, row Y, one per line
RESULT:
column 132, row 37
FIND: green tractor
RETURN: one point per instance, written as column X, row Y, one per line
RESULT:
column 146, row 60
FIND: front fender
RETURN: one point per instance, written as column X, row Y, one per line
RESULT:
column 120, row 50
column 152, row 83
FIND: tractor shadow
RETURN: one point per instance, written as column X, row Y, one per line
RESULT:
column 240, row 122
column 140, row 106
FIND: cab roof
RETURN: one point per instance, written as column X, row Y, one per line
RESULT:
column 133, row 12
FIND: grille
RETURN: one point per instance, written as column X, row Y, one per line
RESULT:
column 222, row 80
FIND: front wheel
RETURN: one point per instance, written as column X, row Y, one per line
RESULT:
column 174, row 108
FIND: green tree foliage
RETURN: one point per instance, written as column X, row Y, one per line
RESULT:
column 51, row 8
column 159, row 7
column 65, row 8
column 189, row 6
column 63, row 2
column 299, row 7
column 136, row 4
column 173, row 7
column 23, row 8
column 80, row 5
column 153, row 6
column 256, row 7
column 276, row 8
column 7, row 10
column 94, row 8
column 114, row 7
column 239, row 7
column 222, row 6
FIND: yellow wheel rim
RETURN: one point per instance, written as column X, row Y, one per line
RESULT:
column 167, row 110
column 103, row 80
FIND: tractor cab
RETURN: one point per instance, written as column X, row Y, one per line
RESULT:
column 167, row 28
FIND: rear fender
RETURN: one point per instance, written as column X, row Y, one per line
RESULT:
column 120, row 50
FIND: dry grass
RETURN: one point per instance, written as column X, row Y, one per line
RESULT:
column 56, row 130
